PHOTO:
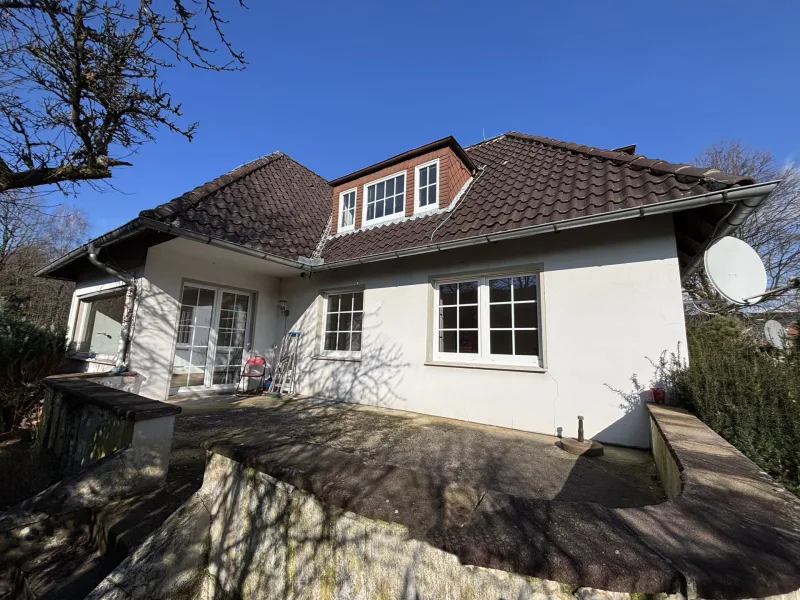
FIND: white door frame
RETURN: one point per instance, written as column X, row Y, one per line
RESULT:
column 211, row 351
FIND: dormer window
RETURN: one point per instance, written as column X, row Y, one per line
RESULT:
column 347, row 210
column 385, row 198
column 427, row 188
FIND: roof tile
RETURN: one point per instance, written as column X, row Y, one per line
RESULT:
column 278, row 206
column 257, row 205
column 529, row 180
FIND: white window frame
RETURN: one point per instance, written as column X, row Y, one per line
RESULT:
column 341, row 227
column 484, row 357
column 365, row 197
column 81, row 322
column 421, row 209
column 340, row 354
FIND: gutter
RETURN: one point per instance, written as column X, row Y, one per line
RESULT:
column 142, row 223
column 756, row 193
column 733, row 220
column 211, row 241
column 120, row 233
column 746, row 200
column 120, row 366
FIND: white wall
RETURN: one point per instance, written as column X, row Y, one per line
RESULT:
column 612, row 300
column 167, row 266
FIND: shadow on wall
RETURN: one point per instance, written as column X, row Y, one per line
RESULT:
column 635, row 416
column 373, row 379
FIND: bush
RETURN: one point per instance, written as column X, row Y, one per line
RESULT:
column 747, row 393
column 28, row 354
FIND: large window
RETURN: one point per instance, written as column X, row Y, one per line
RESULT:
column 98, row 325
column 427, row 192
column 385, row 198
column 491, row 319
column 343, row 321
column 347, row 210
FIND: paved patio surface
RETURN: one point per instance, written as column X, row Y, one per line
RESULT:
column 513, row 462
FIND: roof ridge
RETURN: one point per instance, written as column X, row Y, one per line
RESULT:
column 495, row 138
column 196, row 194
column 651, row 164
column 312, row 171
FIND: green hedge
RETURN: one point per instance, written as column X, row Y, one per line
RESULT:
column 748, row 393
column 28, row 354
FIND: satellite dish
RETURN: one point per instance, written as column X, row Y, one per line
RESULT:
column 735, row 270
column 775, row 334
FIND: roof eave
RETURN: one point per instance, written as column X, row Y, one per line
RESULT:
column 140, row 224
column 752, row 194
column 738, row 214
column 115, row 235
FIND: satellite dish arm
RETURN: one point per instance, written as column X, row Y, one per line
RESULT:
column 793, row 284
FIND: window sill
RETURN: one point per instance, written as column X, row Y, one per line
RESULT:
column 104, row 360
column 339, row 358
column 489, row 366
column 425, row 210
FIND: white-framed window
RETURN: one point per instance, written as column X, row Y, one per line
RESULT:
column 426, row 195
column 98, row 325
column 493, row 319
column 343, row 320
column 385, row 198
column 347, row 210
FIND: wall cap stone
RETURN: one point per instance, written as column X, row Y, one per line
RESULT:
column 123, row 404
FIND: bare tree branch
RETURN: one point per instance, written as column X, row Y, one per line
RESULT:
column 774, row 230
column 81, row 82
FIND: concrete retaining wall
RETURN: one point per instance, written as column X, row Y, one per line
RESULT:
column 248, row 536
column 666, row 463
column 278, row 518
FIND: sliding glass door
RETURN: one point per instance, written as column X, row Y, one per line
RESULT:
column 213, row 334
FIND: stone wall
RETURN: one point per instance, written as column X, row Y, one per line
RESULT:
column 84, row 421
column 246, row 535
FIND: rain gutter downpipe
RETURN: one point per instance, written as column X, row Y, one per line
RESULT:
column 121, row 364
column 739, row 213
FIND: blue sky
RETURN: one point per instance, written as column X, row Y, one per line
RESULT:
column 339, row 85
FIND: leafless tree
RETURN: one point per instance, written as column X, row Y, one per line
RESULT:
column 774, row 230
column 33, row 233
column 81, row 81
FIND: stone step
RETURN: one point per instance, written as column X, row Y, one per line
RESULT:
column 67, row 571
column 66, row 557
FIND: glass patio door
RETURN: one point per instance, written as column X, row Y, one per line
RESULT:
column 231, row 338
column 213, row 333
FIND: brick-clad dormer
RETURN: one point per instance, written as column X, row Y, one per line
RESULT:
column 412, row 183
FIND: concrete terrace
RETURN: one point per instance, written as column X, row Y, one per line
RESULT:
column 483, row 457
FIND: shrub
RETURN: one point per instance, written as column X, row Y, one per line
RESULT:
column 747, row 393
column 28, row 354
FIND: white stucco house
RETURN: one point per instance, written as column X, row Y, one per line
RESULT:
column 516, row 282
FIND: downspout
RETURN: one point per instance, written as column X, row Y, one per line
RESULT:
column 738, row 214
column 120, row 365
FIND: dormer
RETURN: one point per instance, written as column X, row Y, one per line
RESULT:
column 424, row 179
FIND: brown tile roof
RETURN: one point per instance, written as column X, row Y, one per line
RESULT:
column 528, row 180
column 276, row 205
column 272, row 204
